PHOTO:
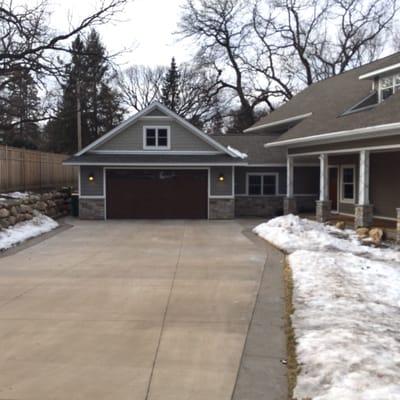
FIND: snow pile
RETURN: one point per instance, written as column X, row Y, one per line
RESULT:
column 26, row 230
column 291, row 233
column 17, row 195
column 347, row 311
column 237, row 153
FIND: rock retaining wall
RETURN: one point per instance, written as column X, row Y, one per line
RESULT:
column 14, row 210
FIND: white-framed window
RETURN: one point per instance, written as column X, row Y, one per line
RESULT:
column 388, row 85
column 156, row 137
column 262, row 184
column 347, row 178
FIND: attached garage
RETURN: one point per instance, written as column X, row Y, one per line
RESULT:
column 156, row 165
column 156, row 193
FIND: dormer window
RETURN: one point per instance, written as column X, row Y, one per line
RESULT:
column 388, row 86
column 156, row 137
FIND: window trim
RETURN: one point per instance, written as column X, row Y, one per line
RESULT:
column 156, row 147
column 393, row 86
column 342, row 198
column 262, row 174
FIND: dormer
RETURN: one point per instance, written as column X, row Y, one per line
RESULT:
column 385, row 81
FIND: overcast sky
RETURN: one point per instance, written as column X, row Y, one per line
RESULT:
column 146, row 27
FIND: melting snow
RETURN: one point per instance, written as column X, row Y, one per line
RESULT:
column 26, row 230
column 347, row 311
column 237, row 152
column 17, row 195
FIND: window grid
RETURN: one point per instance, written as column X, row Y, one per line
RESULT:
column 389, row 85
column 156, row 137
column 348, row 184
column 262, row 184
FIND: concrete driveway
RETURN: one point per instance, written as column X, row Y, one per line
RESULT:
column 128, row 310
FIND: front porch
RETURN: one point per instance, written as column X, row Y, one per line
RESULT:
column 358, row 187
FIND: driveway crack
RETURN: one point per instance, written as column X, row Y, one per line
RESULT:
column 165, row 312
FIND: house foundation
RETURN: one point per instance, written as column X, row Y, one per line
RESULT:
column 363, row 215
column 91, row 208
column 323, row 210
column 221, row 208
column 289, row 205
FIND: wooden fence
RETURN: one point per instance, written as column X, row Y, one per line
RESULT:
column 22, row 169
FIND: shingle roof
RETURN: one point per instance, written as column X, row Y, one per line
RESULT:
column 152, row 159
column 253, row 146
column 329, row 99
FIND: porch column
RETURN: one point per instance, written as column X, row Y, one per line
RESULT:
column 398, row 225
column 363, row 209
column 323, row 209
column 289, row 202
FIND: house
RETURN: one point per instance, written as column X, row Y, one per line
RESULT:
column 157, row 165
column 350, row 125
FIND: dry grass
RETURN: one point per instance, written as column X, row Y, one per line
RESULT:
column 292, row 365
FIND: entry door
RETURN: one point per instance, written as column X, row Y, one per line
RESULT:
column 333, row 187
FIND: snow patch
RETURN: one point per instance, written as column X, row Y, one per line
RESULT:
column 347, row 311
column 17, row 195
column 26, row 230
column 237, row 152
column 291, row 233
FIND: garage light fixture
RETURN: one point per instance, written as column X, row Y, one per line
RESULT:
column 221, row 177
column 91, row 177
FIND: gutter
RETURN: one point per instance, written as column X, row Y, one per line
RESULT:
column 322, row 137
column 380, row 71
column 277, row 123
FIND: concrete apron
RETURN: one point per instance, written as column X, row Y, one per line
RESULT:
column 128, row 310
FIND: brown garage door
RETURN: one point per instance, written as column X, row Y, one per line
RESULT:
column 156, row 194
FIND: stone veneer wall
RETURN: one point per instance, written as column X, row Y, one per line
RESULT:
column 256, row 206
column 221, row 208
column 91, row 208
column 52, row 204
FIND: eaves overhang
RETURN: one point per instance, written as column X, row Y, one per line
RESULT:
column 340, row 136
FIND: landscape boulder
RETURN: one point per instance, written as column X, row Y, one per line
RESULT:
column 376, row 235
column 340, row 225
column 362, row 232
column 4, row 213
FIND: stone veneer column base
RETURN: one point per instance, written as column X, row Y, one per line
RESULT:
column 289, row 205
column 323, row 210
column 221, row 209
column 398, row 224
column 91, row 208
column 363, row 215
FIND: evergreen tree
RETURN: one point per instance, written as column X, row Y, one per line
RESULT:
column 170, row 89
column 87, row 77
column 19, row 111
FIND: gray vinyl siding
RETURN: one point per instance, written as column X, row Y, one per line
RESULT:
column 132, row 138
column 218, row 188
column 157, row 113
column 306, row 179
column 241, row 180
column 384, row 183
column 94, row 188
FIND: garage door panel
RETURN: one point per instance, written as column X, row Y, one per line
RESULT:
column 157, row 194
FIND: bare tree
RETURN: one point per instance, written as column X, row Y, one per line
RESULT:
column 28, row 45
column 220, row 29
column 311, row 40
column 264, row 52
column 198, row 95
column 140, row 85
